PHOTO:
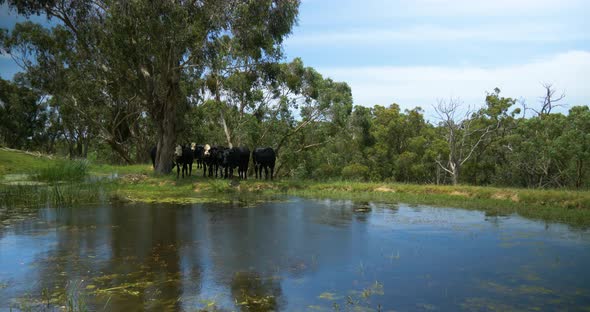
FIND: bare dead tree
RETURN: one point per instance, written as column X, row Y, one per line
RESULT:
column 549, row 100
column 463, row 136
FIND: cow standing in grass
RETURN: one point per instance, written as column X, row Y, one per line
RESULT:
column 218, row 159
column 199, row 153
column 264, row 157
column 243, row 161
column 209, row 160
column 184, row 156
column 236, row 157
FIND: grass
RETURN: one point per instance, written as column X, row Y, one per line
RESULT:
column 571, row 207
column 33, row 180
column 63, row 170
column 15, row 161
column 137, row 183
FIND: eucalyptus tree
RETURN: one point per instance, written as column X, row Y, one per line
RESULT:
column 22, row 114
column 141, row 52
column 494, row 149
column 575, row 142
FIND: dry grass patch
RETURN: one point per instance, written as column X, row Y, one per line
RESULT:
column 506, row 196
column 385, row 189
column 460, row 193
column 134, row 177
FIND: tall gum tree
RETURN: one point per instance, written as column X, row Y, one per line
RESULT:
column 159, row 44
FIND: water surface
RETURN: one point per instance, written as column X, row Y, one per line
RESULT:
column 293, row 255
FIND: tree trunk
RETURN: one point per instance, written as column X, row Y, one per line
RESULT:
column 223, row 123
column 166, row 123
column 226, row 130
column 166, row 139
column 455, row 178
column 122, row 152
column 580, row 173
column 455, row 170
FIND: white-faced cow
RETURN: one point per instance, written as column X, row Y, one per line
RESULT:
column 184, row 156
column 210, row 160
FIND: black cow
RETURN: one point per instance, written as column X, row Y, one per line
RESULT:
column 236, row 157
column 264, row 157
column 243, row 161
column 218, row 159
column 184, row 156
column 209, row 160
column 199, row 153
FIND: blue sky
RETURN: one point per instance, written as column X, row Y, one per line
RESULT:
column 416, row 52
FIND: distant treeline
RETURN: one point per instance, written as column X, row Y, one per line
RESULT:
column 494, row 145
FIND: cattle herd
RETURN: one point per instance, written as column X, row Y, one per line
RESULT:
column 220, row 161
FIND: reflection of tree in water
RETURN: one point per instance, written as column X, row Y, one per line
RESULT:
column 72, row 255
column 145, row 267
column 128, row 256
column 253, row 292
column 337, row 213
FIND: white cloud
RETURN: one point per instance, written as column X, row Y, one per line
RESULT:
column 489, row 8
column 412, row 86
column 521, row 32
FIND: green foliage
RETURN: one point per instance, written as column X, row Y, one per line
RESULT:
column 22, row 115
column 355, row 172
column 109, row 82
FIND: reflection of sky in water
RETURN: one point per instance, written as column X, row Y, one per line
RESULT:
column 296, row 255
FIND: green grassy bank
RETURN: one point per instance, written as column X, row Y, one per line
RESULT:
column 138, row 184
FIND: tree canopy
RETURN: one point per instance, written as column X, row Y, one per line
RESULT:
column 108, row 80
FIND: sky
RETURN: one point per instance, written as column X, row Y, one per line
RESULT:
column 416, row 52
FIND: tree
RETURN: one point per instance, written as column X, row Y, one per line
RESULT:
column 22, row 114
column 156, row 46
column 495, row 147
column 463, row 134
column 575, row 143
column 548, row 102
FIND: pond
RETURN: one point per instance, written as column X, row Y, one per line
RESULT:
column 290, row 255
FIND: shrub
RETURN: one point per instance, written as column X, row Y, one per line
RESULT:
column 355, row 172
